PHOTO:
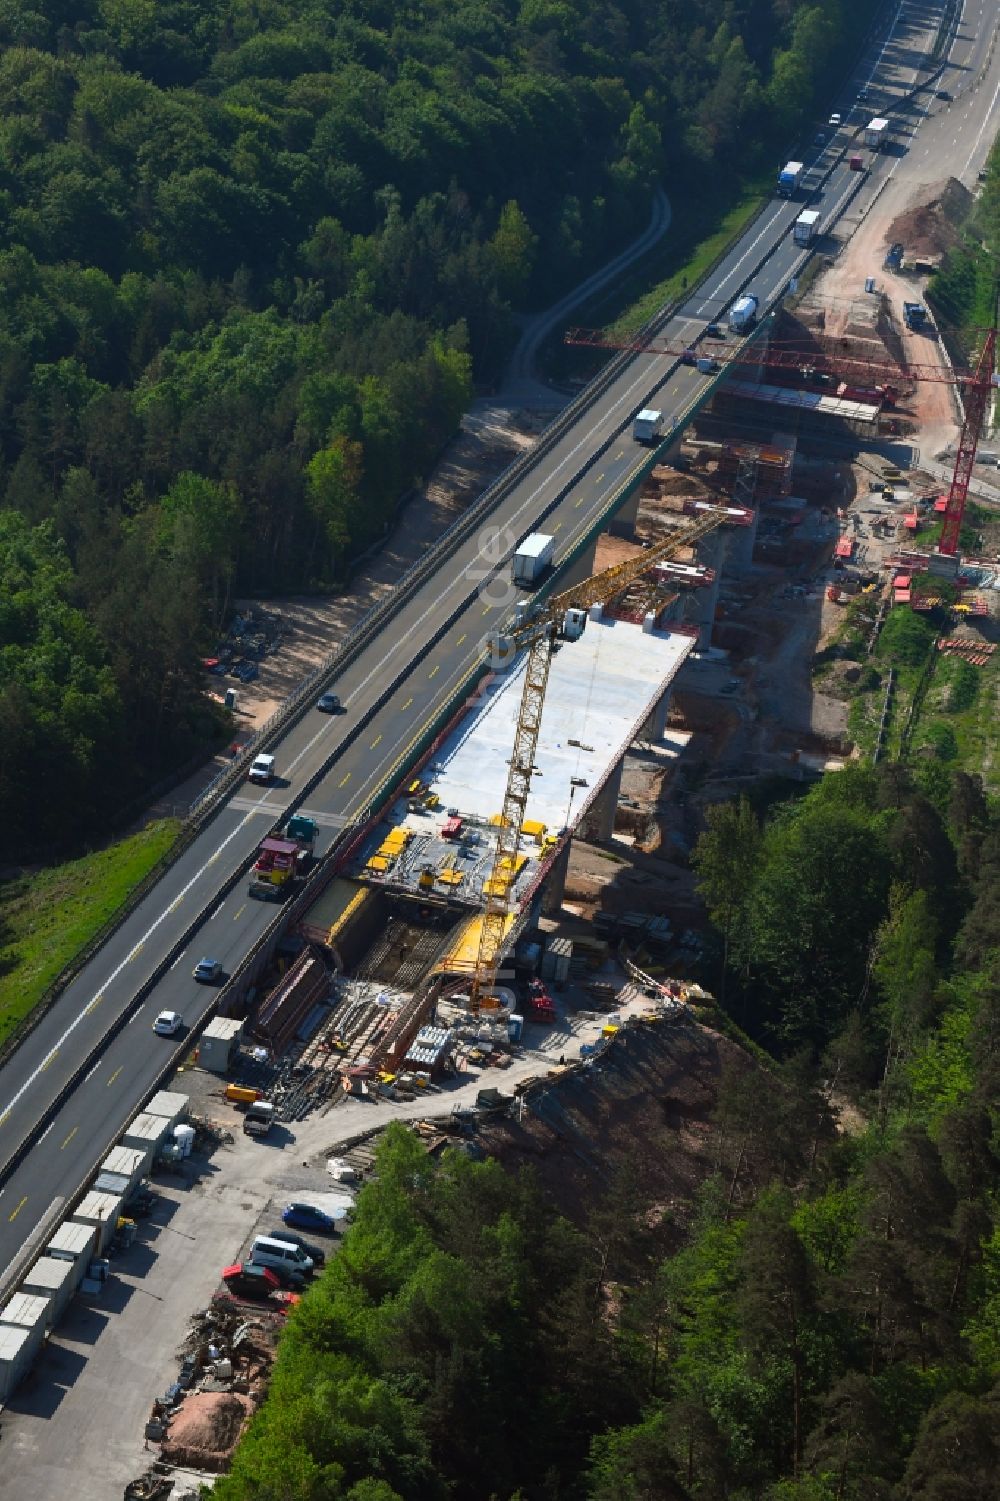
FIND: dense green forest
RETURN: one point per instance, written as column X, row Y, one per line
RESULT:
column 253, row 258
column 964, row 291
column 827, row 1329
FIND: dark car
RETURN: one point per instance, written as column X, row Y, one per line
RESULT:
column 292, row 1239
column 289, row 1277
column 715, row 331
column 328, row 703
column 943, row 94
column 247, row 1281
column 308, row 1217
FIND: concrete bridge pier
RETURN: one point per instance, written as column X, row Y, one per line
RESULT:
column 739, row 547
column 582, row 568
column 623, row 524
column 600, row 819
column 555, row 882
column 656, row 725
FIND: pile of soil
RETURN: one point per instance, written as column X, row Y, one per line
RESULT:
column 205, row 1430
column 932, row 226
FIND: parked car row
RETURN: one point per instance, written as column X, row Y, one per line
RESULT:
column 280, row 1261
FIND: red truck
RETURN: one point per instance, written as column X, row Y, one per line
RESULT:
column 539, row 1005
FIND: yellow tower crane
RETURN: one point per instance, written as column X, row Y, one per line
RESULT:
column 540, row 631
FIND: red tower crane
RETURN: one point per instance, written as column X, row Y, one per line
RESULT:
column 974, row 384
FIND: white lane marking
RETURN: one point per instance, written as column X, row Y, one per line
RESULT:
column 986, row 120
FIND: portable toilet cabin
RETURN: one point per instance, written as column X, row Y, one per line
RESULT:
column 51, row 1278
column 169, row 1103
column 74, row 1244
column 27, row 1311
column 146, row 1134
column 100, row 1211
column 17, row 1351
column 217, row 1042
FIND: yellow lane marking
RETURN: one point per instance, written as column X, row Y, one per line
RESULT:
column 434, row 671
column 345, row 780
column 557, row 526
column 17, row 1211
column 114, row 1076
column 598, row 479
column 578, row 504
column 461, row 638
column 376, row 741
column 488, row 609
column 69, row 1138
column 175, row 904
column 98, row 998
column 49, row 1058
column 407, row 704
column 4, row 1117
column 138, row 948
column 619, row 453
column 239, row 914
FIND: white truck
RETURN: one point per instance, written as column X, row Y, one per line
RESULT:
column 876, row 134
column 788, row 179
column 533, row 557
column 743, row 313
column 806, row 227
column 647, row 426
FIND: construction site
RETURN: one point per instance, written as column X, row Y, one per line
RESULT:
column 543, row 840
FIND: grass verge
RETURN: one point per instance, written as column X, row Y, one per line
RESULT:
column 48, row 917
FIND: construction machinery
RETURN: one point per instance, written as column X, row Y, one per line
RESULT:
column 538, row 627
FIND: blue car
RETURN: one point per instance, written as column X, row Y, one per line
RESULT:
column 308, row 1217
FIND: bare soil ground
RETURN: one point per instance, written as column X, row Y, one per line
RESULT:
column 926, row 222
column 648, row 1108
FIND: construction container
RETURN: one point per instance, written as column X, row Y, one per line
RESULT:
column 100, row 1212
column 118, row 1184
column 17, row 1352
column 52, row 1279
column 218, row 1040
column 241, row 1094
column 74, row 1244
column 167, row 1102
column 146, row 1134
column 26, row 1311
column 130, row 1162
column 184, row 1137
column 560, row 955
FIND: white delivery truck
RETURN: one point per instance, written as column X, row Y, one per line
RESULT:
column 876, row 134
column 533, row 557
column 647, row 426
column 743, row 313
column 806, row 227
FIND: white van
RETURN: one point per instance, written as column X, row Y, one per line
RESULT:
column 262, row 769
column 280, row 1254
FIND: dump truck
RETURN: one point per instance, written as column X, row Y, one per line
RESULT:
column 915, row 315
column 533, row 557
column 743, row 313
column 647, row 426
column 876, row 134
column 788, row 179
column 283, row 859
column 806, row 227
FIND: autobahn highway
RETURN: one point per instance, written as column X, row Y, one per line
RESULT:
column 392, row 691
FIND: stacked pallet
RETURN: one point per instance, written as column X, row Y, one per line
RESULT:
column 977, row 653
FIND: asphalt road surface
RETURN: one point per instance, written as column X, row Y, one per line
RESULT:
column 431, row 647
